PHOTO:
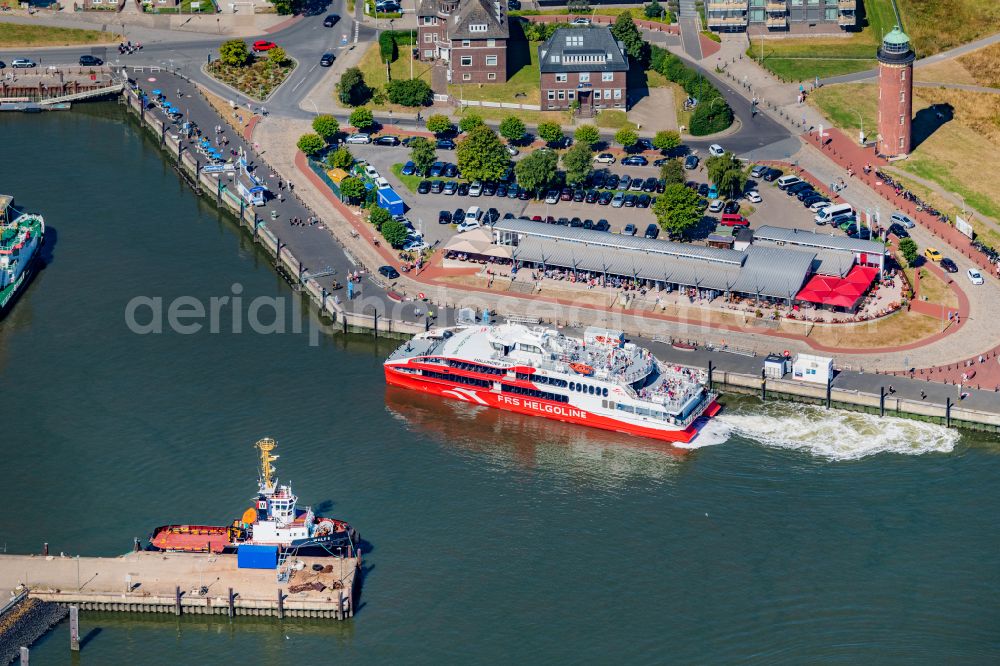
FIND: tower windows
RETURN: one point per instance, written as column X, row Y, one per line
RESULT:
column 902, row 74
column 902, row 119
column 902, row 95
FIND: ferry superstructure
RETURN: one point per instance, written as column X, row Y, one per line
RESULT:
column 21, row 237
column 600, row 381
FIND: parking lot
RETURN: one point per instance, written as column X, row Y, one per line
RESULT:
column 776, row 208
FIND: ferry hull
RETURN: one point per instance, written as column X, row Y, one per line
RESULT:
column 7, row 301
column 538, row 407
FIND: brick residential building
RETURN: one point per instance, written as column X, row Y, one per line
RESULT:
column 586, row 65
column 469, row 35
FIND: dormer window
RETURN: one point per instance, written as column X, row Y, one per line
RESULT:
column 478, row 27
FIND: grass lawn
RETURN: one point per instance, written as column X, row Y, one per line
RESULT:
column 933, row 289
column 943, row 156
column 411, row 182
column 897, row 329
column 612, row 119
column 944, row 24
column 15, row 34
column 521, row 88
column 373, row 69
column 529, row 117
column 983, row 65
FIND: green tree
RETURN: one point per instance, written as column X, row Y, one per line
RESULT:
column 353, row 189
column 409, row 92
column 481, row 156
column 361, row 118
column 625, row 30
column 439, row 124
column 283, row 7
column 387, row 46
column 578, row 162
column 626, row 137
column 728, row 174
column 653, row 10
column 340, row 158
column 537, row 170
column 378, row 216
column 587, row 134
column 550, row 132
column 908, row 248
column 326, row 126
column 352, row 89
column 422, row 153
column 311, row 144
column 711, row 116
column 469, row 122
column 512, row 128
column 672, row 171
column 395, row 233
column 667, row 140
column 277, row 56
column 677, row 210
column 234, row 53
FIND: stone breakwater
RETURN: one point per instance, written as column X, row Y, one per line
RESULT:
column 25, row 623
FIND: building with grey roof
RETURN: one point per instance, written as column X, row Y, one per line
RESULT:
column 828, row 247
column 469, row 36
column 762, row 272
column 585, row 68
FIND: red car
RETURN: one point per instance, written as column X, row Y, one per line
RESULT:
column 264, row 45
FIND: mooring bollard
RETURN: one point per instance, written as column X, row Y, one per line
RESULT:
column 177, row 600
column 232, row 603
column 281, row 605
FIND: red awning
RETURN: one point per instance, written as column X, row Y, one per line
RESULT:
column 842, row 292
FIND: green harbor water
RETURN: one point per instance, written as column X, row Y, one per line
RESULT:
column 801, row 536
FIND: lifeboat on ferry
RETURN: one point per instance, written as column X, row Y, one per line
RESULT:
column 582, row 369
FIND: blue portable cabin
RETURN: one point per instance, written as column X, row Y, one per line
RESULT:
column 250, row 556
column 391, row 201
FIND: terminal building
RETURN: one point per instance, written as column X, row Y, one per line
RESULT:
column 778, row 265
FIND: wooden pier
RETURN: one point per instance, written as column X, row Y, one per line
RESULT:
column 182, row 583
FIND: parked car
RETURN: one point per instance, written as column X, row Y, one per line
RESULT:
column 263, row 45
column 753, row 196
column 612, row 181
column 630, row 200
column 409, row 169
column 580, row 21
column 501, row 190
column 805, row 193
column 579, row 195
column 359, row 138
column 450, row 170
column 898, row 231
column 649, row 185
column 932, row 254
column 691, row 162
column 389, row 272
column 652, row 231
column 618, row 200
column 489, row 188
column 715, row 150
column 660, row 162
column 444, row 217
column 820, row 205
column 475, row 189
column 331, row 20
column 758, row 171
column 513, row 191
column 23, row 63
column 326, row 60
column 445, row 144
column 604, row 198
column 605, row 158
column 975, row 277
column 644, row 144
column 513, row 5
column 576, row 223
column 463, row 189
column 552, row 197
column 450, row 187
column 813, row 197
column 387, row 140
column 436, row 170
column 437, row 186
column 772, row 174
column 423, row 187
column 949, row 265
column 903, row 220
column 602, row 225
column 703, row 190
column 732, row 207
column 643, row 201
column 591, row 196
column 635, row 185
column 597, row 179
column 629, row 230
column 566, row 194
column 716, row 206
column 635, row 160
column 491, row 216
column 90, row 61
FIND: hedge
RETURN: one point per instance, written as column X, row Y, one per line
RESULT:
column 709, row 116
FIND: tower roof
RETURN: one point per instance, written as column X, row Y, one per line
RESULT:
column 896, row 37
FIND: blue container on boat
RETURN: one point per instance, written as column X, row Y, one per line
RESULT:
column 249, row 556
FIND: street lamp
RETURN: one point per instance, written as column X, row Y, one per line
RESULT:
column 963, row 202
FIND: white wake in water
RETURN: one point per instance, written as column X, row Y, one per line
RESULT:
column 713, row 433
column 836, row 434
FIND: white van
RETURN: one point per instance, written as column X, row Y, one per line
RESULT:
column 835, row 214
column 473, row 215
column 787, row 181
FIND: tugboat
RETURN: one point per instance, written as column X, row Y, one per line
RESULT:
column 21, row 236
column 273, row 520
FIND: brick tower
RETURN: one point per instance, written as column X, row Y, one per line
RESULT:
column 895, row 94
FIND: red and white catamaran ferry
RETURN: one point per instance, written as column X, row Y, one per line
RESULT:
column 599, row 381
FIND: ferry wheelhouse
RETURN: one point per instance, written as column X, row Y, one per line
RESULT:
column 600, row 381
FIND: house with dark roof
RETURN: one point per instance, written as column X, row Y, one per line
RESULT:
column 470, row 36
column 584, row 68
